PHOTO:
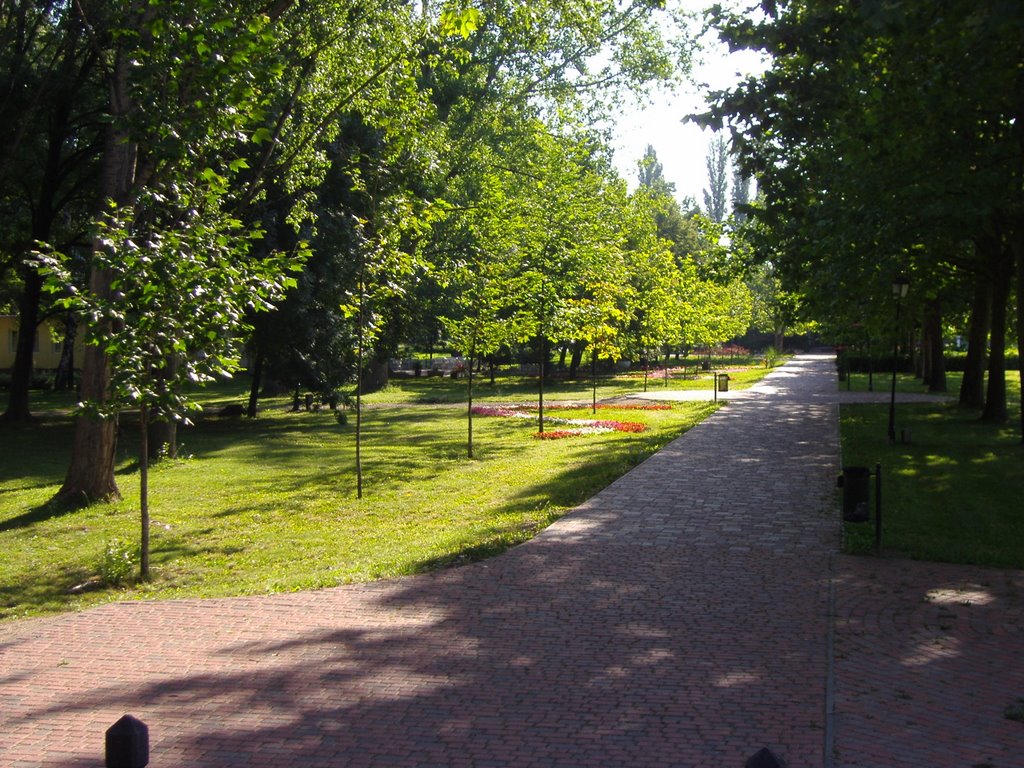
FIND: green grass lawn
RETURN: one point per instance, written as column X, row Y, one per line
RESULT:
column 508, row 388
column 905, row 382
column 269, row 505
column 952, row 493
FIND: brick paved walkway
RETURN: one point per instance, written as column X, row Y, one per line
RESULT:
column 928, row 660
column 679, row 618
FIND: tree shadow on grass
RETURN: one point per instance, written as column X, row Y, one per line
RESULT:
column 51, row 510
column 51, row 589
column 950, row 493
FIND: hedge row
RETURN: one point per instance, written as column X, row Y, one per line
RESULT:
column 955, row 361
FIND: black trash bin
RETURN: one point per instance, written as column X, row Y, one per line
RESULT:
column 856, row 485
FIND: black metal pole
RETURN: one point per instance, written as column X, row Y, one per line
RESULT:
column 878, row 507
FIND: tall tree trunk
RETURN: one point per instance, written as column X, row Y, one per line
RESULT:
column 576, row 360
column 995, row 396
column 64, row 379
column 936, row 374
column 45, row 209
column 469, row 406
column 254, row 389
column 920, row 352
column 972, row 388
column 924, row 370
column 1017, row 243
column 871, row 365
column 540, row 385
column 90, row 476
column 21, row 372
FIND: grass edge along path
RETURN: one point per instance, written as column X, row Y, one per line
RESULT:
column 949, row 494
column 268, row 505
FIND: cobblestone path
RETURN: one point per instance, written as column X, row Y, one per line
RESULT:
column 681, row 617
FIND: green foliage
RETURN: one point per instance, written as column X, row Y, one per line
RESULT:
column 887, row 140
column 117, row 564
column 181, row 290
column 869, row 157
column 440, row 158
column 716, row 196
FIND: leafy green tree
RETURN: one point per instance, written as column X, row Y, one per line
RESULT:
column 215, row 90
column 180, row 287
column 774, row 310
column 180, row 90
column 481, row 329
column 653, row 307
column 740, row 196
column 716, row 195
column 48, row 158
column 885, row 138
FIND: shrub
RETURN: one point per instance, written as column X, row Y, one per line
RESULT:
column 118, row 562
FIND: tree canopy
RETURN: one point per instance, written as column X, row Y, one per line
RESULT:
column 886, row 139
column 430, row 168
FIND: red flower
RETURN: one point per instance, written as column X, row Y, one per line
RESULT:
column 621, row 426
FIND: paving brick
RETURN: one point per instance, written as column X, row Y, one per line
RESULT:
column 678, row 618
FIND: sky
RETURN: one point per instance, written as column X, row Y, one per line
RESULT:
column 681, row 147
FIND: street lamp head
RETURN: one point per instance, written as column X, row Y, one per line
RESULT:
column 900, row 286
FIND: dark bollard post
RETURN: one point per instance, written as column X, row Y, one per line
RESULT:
column 764, row 758
column 128, row 743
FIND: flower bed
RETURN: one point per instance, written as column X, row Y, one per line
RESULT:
column 580, row 426
column 613, row 406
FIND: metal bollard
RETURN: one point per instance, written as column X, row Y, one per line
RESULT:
column 764, row 758
column 127, row 743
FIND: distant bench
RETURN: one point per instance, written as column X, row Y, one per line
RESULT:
column 439, row 366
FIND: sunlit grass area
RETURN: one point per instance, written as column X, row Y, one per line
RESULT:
column 688, row 375
column 269, row 505
column 508, row 388
column 907, row 383
column 952, row 492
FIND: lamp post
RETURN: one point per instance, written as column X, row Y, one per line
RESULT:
column 900, row 286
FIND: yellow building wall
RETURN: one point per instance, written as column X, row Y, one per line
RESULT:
column 47, row 351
